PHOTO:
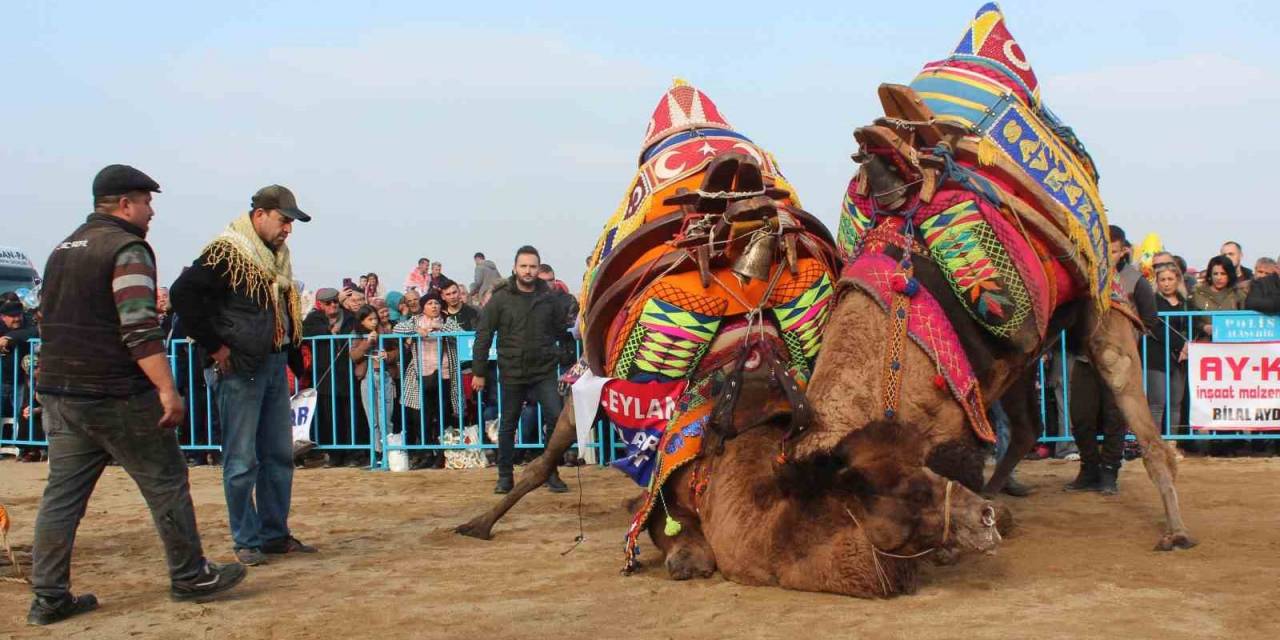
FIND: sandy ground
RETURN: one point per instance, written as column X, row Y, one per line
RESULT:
column 1080, row 566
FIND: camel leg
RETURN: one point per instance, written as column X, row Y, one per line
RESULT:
column 1022, row 431
column 534, row 475
column 1114, row 352
column 687, row 554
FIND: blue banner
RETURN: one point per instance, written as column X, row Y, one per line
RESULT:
column 465, row 348
column 1242, row 328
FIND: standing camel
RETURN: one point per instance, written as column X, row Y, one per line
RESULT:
column 971, row 235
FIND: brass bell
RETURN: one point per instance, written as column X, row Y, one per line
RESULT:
column 756, row 261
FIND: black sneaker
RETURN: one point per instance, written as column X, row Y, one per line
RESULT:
column 46, row 611
column 212, row 579
column 556, row 485
column 288, row 544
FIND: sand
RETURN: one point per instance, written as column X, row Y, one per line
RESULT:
column 1079, row 566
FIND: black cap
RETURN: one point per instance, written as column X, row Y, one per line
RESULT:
column 11, row 309
column 278, row 197
column 119, row 179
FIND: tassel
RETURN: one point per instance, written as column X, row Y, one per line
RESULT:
column 939, row 382
column 673, row 527
column 987, row 151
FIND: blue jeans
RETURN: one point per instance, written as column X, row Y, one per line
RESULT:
column 1001, row 422
column 369, row 397
column 257, row 452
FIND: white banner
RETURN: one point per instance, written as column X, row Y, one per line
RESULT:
column 303, row 406
column 1235, row 386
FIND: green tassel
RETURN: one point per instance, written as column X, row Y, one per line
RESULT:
column 673, row 527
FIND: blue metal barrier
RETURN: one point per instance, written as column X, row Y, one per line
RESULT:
column 343, row 423
column 1171, row 322
column 17, row 396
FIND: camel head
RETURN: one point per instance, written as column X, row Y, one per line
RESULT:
column 877, row 475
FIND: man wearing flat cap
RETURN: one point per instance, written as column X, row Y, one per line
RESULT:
column 104, row 381
column 238, row 301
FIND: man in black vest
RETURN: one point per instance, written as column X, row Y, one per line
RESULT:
column 238, row 301
column 107, row 392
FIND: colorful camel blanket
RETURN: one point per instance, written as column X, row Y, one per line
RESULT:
column 1015, row 144
column 645, row 322
column 671, row 283
column 999, row 195
column 680, row 444
column 930, row 328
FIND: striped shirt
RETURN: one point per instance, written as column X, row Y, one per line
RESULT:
column 133, row 284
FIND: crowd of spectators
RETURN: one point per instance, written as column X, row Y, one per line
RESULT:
column 426, row 386
column 1224, row 284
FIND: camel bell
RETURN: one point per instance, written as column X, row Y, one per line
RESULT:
column 757, row 259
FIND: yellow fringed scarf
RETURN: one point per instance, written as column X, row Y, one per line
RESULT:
column 258, row 272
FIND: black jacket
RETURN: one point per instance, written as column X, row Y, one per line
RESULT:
column 215, row 314
column 82, row 351
column 1178, row 330
column 330, row 359
column 19, row 348
column 529, row 327
column 1264, row 295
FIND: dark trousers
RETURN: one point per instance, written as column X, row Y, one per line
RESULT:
column 340, row 421
column 1094, row 411
column 545, row 393
column 85, row 434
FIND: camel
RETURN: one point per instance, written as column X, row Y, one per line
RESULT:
column 723, row 251
column 972, row 234
column 856, row 520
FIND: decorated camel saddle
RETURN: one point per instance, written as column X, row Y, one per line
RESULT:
column 708, row 269
column 973, row 199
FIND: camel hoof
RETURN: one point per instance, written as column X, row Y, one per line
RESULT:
column 684, row 564
column 1176, row 540
column 474, row 529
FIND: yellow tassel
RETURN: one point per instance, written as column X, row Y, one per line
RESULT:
column 679, row 82
column 987, row 151
column 673, row 527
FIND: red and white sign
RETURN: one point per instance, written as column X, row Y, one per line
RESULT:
column 1235, row 386
column 641, row 404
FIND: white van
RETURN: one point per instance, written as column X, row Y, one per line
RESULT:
column 16, row 270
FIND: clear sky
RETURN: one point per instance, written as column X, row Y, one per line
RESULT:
column 411, row 129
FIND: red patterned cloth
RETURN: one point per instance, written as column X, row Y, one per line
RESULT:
column 929, row 327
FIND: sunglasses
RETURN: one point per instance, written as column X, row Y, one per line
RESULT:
column 328, row 302
column 1160, row 266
